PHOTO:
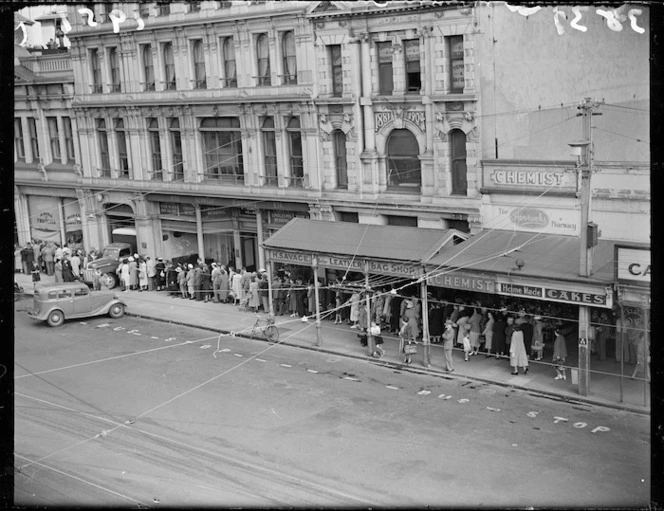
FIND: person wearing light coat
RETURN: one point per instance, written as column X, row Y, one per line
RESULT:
column 518, row 355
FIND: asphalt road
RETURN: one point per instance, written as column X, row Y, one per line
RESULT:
column 133, row 412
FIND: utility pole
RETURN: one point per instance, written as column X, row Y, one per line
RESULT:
column 588, row 234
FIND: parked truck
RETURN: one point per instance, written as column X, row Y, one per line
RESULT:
column 108, row 263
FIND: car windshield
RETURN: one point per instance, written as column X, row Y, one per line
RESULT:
column 110, row 252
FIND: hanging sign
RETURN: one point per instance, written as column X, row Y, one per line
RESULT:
column 632, row 265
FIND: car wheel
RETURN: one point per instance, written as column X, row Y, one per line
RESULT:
column 55, row 318
column 116, row 310
column 108, row 280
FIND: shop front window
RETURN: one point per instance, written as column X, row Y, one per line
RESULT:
column 403, row 163
column 222, row 145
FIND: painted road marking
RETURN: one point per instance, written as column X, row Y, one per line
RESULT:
column 82, row 323
column 493, row 409
column 351, row 379
column 237, row 355
column 169, row 339
column 225, row 350
column 312, row 371
column 103, row 325
column 391, row 387
column 463, row 400
column 117, row 328
column 285, row 365
column 131, row 331
column 424, row 392
column 444, row 396
column 153, row 337
column 137, row 333
column 205, row 346
column 260, row 360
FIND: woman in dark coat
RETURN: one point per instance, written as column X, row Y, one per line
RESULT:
column 67, row 271
column 395, row 306
column 498, row 338
column 206, row 283
column 436, row 323
column 198, row 280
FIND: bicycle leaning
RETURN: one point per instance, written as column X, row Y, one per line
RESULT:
column 268, row 330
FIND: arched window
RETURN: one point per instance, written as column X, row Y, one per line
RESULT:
column 222, row 146
column 295, row 152
column 148, row 67
column 340, row 160
column 458, row 161
column 199, row 65
column 290, row 63
column 270, row 152
column 403, row 163
column 229, row 62
column 169, row 66
column 263, row 59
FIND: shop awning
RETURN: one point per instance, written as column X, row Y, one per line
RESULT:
column 362, row 241
column 547, row 256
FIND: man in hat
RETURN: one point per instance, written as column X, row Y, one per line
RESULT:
column 215, row 276
column 160, row 277
column 448, row 345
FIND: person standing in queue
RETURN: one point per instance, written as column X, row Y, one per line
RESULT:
column 518, row 356
column 160, row 276
column 448, row 345
column 499, row 327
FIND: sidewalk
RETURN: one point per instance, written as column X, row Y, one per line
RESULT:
column 342, row 340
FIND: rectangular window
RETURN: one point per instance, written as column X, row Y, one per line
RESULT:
column 53, row 137
column 114, row 66
column 148, row 67
column 457, row 80
column 144, row 9
column 230, row 72
column 104, row 156
column 413, row 77
column 337, row 74
column 405, row 221
column 69, row 139
column 385, row 75
column 348, row 216
column 123, row 155
column 169, row 66
column 19, row 142
column 194, row 6
column 270, row 152
column 155, row 148
column 222, row 144
column 96, row 72
column 163, row 8
column 176, row 148
column 34, row 143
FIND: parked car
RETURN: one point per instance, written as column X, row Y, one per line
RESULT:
column 58, row 302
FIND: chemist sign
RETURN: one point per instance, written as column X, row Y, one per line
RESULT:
column 632, row 265
column 513, row 176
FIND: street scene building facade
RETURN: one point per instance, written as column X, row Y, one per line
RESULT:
column 199, row 129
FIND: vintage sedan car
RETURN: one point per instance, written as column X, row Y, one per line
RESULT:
column 57, row 302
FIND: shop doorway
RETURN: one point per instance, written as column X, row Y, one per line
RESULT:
column 249, row 250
